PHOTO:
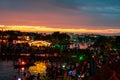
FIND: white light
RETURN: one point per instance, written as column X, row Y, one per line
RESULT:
column 19, row 78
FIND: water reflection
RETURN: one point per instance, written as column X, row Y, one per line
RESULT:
column 22, row 69
column 43, row 65
column 7, row 70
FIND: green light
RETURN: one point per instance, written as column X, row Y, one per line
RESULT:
column 63, row 66
column 81, row 58
column 56, row 46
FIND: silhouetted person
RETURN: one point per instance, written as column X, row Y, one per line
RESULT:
column 14, row 77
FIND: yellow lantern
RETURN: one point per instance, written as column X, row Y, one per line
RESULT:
column 40, row 67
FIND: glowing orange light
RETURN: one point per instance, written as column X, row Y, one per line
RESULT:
column 23, row 63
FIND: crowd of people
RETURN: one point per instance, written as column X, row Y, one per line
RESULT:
column 81, row 70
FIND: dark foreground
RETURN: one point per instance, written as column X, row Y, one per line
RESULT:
column 109, row 71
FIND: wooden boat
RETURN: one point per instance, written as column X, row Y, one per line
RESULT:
column 23, row 64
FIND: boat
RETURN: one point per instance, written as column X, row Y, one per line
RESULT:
column 23, row 64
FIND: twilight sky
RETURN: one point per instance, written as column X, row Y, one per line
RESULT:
column 93, row 16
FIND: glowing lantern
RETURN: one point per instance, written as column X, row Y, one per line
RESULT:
column 40, row 67
column 23, row 63
column 22, row 69
column 64, row 66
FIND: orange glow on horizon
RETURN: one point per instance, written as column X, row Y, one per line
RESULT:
column 49, row 29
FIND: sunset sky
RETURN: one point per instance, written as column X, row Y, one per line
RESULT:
column 78, row 16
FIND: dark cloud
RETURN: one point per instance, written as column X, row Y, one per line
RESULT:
column 24, row 5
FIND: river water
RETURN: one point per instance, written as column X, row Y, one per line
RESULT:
column 7, row 70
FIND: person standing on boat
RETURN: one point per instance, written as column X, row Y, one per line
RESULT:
column 19, row 61
column 24, row 77
column 29, row 77
column 38, row 76
column 14, row 77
